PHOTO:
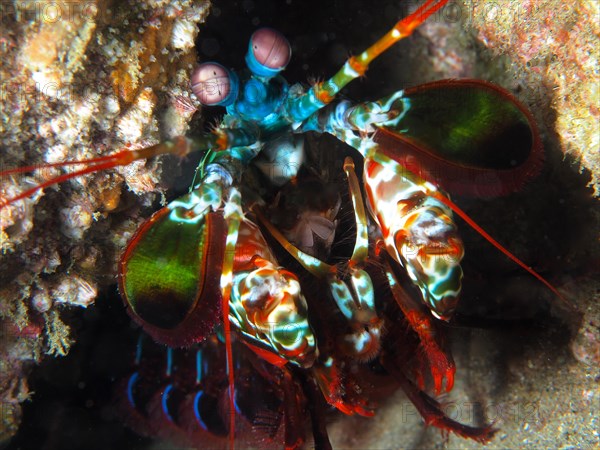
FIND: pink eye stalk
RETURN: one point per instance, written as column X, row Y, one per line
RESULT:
column 268, row 53
column 212, row 84
column 271, row 48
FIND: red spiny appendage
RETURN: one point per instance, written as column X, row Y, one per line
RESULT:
column 408, row 24
column 421, row 324
column 230, row 371
column 441, row 366
column 95, row 165
column 445, row 423
column 432, row 412
column 440, row 362
column 180, row 146
column 328, row 380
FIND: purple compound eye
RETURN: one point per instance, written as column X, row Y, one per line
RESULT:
column 270, row 48
column 211, row 83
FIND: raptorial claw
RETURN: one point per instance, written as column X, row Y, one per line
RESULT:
column 334, row 390
column 442, row 367
column 440, row 361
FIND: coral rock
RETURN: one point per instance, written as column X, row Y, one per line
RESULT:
column 79, row 79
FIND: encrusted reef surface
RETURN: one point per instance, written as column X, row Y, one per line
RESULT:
column 555, row 44
column 79, row 79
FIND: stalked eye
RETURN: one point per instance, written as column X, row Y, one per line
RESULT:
column 271, row 48
column 269, row 52
column 213, row 84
